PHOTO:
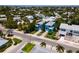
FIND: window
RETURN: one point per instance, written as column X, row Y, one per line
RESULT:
column 76, row 32
column 62, row 29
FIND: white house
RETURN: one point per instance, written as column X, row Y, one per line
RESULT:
column 30, row 18
column 66, row 29
column 3, row 17
column 41, row 16
column 3, row 41
column 49, row 19
column 17, row 18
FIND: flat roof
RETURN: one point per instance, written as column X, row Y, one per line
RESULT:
column 69, row 27
column 3, row 41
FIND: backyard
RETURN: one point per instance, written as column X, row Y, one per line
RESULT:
column 28, row 47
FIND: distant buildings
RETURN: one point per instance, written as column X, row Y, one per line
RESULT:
column 3, row 17
column 66, row 29
column 47, row 19
column 30, row 18
column 41, row 16
column 17, row 18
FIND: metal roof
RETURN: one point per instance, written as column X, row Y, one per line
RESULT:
column 69, row 27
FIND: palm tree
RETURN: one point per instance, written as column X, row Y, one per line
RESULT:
column 43, row 44
column 60, row 49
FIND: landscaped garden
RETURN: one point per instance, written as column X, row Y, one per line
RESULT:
column 51, row 35
column 33, row 32
column 40, row 33
column 28, row 47
column 16, row 41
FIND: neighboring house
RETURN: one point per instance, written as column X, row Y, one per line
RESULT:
column 2, row 41
column 30, row 18
column 39, row 26
column 49, row 19
column 3, row 17
column 66, row 29
column 41, row 16
column 17, row 18
column 49, row 27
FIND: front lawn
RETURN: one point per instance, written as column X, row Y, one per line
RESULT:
column 28, row 47
column 40, row 33
column 5, row 46
column 16, row 41
column 33, row 32
column 51, row 35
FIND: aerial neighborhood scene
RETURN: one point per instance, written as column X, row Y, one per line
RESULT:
column 39, row 29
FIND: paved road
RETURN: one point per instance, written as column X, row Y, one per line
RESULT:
column 28, row 38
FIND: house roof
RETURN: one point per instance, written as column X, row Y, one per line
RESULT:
column 50, row 23
column 17, row 17
column 40, row 15
column 49, row 19
column 2, row 15
column 3, row 41
column 69, row 27
column 29, row 16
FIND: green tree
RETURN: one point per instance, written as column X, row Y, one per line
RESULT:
column 10, row 24
column 60, row 48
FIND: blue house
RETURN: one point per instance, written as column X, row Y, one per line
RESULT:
column 49, row 27
column 39, row 25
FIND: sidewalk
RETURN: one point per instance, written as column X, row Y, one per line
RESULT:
column 40, row 37
column 37, row 32
column 44, row 34
column 69, row 43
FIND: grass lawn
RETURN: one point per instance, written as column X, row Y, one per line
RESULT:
column 33, row 32
column 40, row 33
column 28, row 47
column 5, row 46
column 51, row 35
column 16, row 41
